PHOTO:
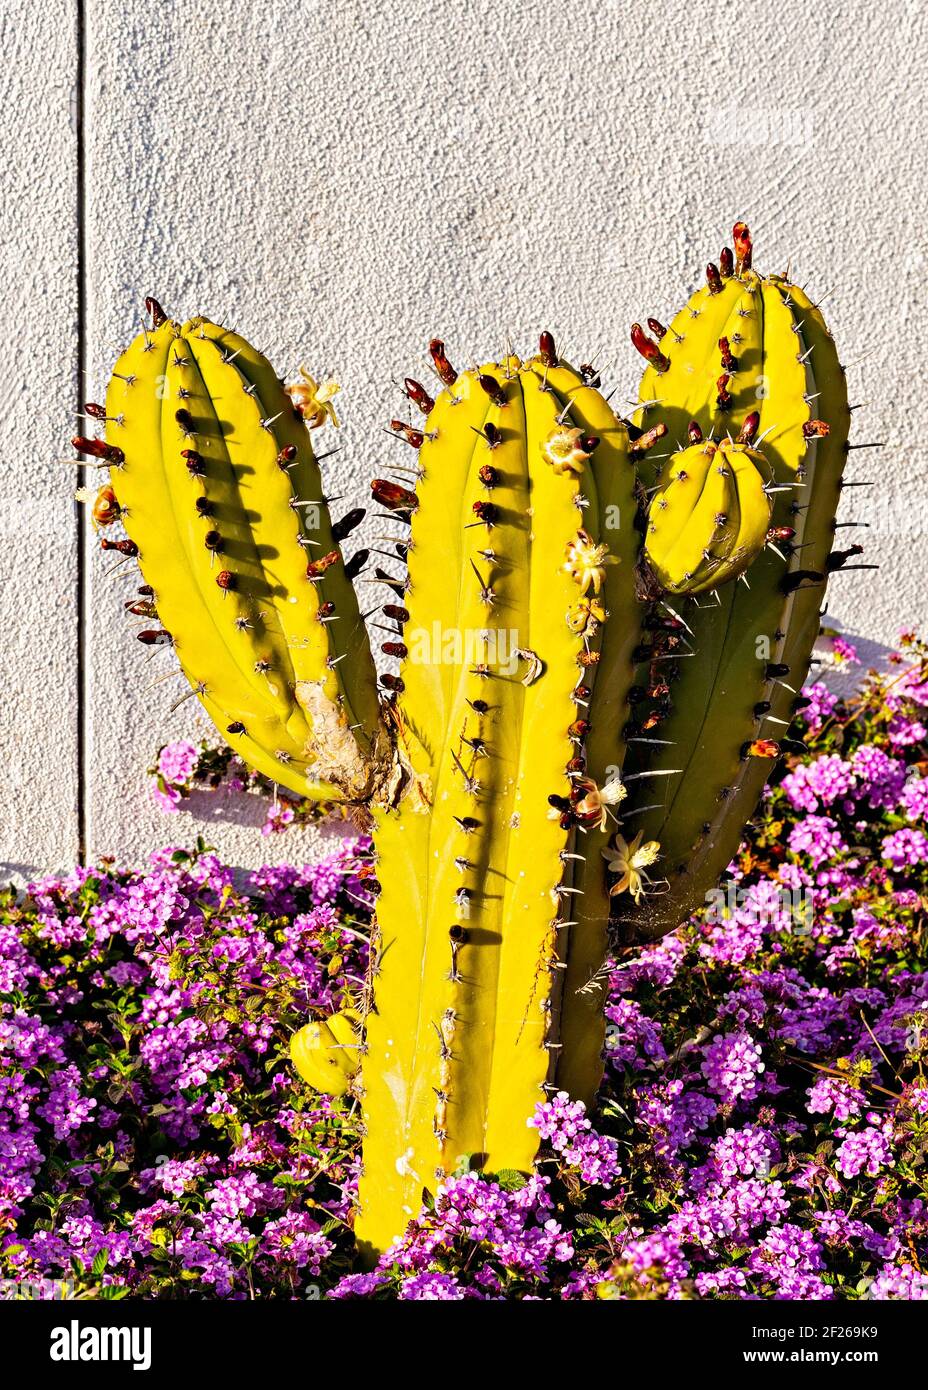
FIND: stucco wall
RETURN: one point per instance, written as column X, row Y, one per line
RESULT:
column 341, row 181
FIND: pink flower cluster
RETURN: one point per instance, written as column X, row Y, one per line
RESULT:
column 762, row 1121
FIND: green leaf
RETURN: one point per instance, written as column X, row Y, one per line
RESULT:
column 509, row 1179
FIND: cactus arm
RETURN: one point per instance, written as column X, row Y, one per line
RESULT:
column 800, row 614
column 739, row 644
column 251, row 394
column 326, row 1052
column 162, row 522
column 676, row 535
column 709, row 519
column 727, row 669
column 734, row 676
column 828, row 458
column 194, row 521
column 239, row 549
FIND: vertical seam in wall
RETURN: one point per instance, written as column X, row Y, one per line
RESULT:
column 81, row 269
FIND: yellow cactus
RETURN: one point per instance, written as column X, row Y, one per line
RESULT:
column 327, row 1052
column 709, row 517
column 565, row 714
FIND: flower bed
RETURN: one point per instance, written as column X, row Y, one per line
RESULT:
column 762, row 1128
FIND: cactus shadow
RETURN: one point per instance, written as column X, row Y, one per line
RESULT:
column 256, row 586
column 223, row 512
column 482, row 936
column 16, row 874
column 242, row 551
column 225, row 806
column 845, row 680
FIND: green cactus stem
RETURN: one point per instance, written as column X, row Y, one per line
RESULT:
column 752, row 354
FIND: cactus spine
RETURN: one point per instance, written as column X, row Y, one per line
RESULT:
column 588, row 700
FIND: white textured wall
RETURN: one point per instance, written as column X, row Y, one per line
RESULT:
column 342, row 180
column 38, row 393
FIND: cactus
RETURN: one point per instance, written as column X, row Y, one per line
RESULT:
column 600, row 653
column 215, row 480
column 750, row 356
column 326, row 1052
column 709, row 516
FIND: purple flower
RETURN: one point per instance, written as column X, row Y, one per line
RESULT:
column 359, row 1285
column 144, row 1020
column 865, row 1151
column 905, row 848
column 279, row 815
column 791, row 1258
column 903, row 732
column 901, row 1281
column 881, row 778
column 729, row 1215
column 176, row 762
column 672, row 1116
column 173, row 1176
column 819, row 838
column 632, row 1037
column 838, row 1098
column 732, row 1066
column 166, row 798
column 66, row 1108
column 564, row 1124
column 819, row 783
column 844, row 652
column 821, row 707
column 431, row 1286
column 736, row 1154
column 914, row 799
column 657, row 1253
column 296, row 1239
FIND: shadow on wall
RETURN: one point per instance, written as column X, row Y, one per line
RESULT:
column 845, row 679
column 203, row 810
column 227, row 807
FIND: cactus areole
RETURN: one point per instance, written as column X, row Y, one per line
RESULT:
column 601, row 628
